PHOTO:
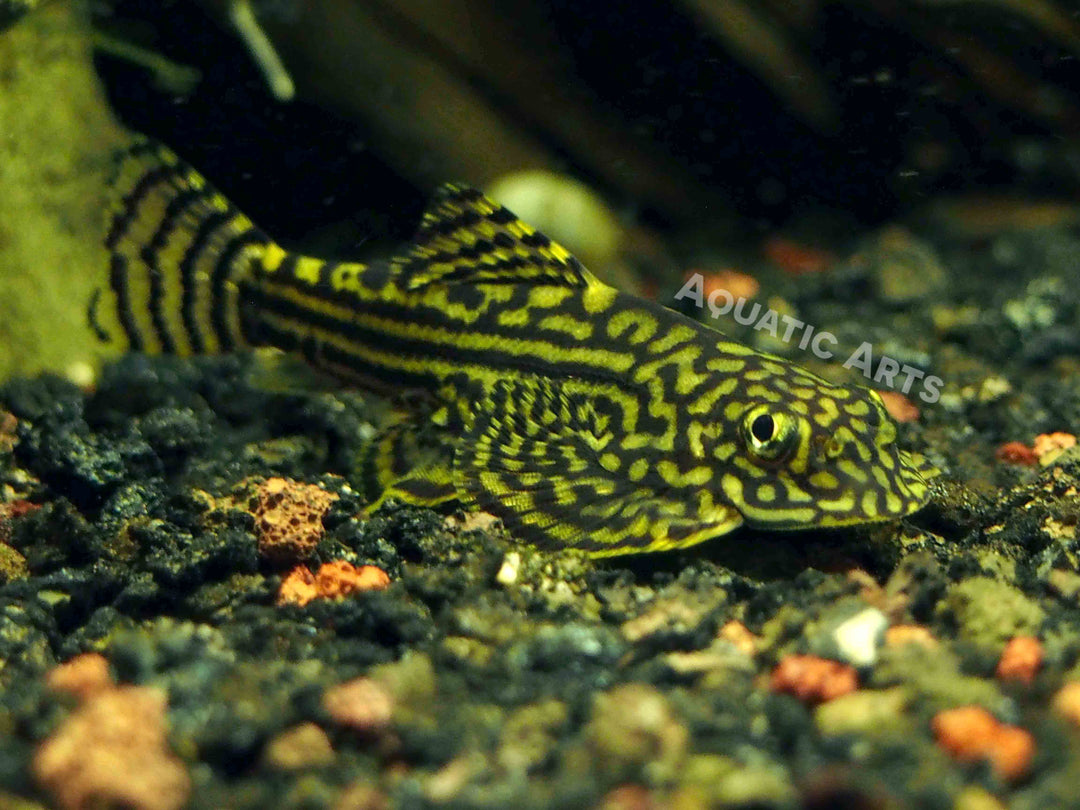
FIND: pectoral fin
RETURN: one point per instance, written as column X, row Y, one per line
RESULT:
column 407, row 461
column 549, row 488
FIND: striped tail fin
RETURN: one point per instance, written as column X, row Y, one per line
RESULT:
column 179, row 254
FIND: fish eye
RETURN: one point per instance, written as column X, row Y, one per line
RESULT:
column 762, row 428
column 769, row 435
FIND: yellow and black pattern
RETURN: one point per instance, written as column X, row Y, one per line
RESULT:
column 582, row 416
column 177, row 252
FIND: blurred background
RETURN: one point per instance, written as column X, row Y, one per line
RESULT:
column 650, row 137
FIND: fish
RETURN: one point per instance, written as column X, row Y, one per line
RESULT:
column 581, row 416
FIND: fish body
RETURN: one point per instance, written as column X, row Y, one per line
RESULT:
column 582, row 416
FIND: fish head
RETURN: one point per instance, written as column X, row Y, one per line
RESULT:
column 811, row 454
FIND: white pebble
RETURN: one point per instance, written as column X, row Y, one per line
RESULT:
column 509, row 571
column 857, row 639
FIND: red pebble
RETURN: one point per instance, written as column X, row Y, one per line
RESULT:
column 797, row 259
column 1017, row 453
column 813, row 679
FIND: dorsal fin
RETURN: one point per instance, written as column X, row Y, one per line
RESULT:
column 465, row 236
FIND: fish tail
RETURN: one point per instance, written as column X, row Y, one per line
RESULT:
column 180, row 258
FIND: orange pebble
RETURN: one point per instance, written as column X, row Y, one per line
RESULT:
column 81, row 676
column 1020, row 659
column 813, row 679
column 736, row 634
column 740, row 285
column 899, row 407
column 334, row 580
column 971, row 733
column 1017, row 453
column 1012, row 751
column 796, row 259
column 964, row 732
column 113, row 751
column 298, row 587
column 1049, row 446
column 340, row 578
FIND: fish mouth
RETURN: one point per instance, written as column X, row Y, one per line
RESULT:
column 873, row 499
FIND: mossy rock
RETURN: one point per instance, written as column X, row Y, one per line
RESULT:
column 54, row 158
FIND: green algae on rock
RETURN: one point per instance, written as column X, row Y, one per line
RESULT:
column 54, row 161
column 989, row 612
